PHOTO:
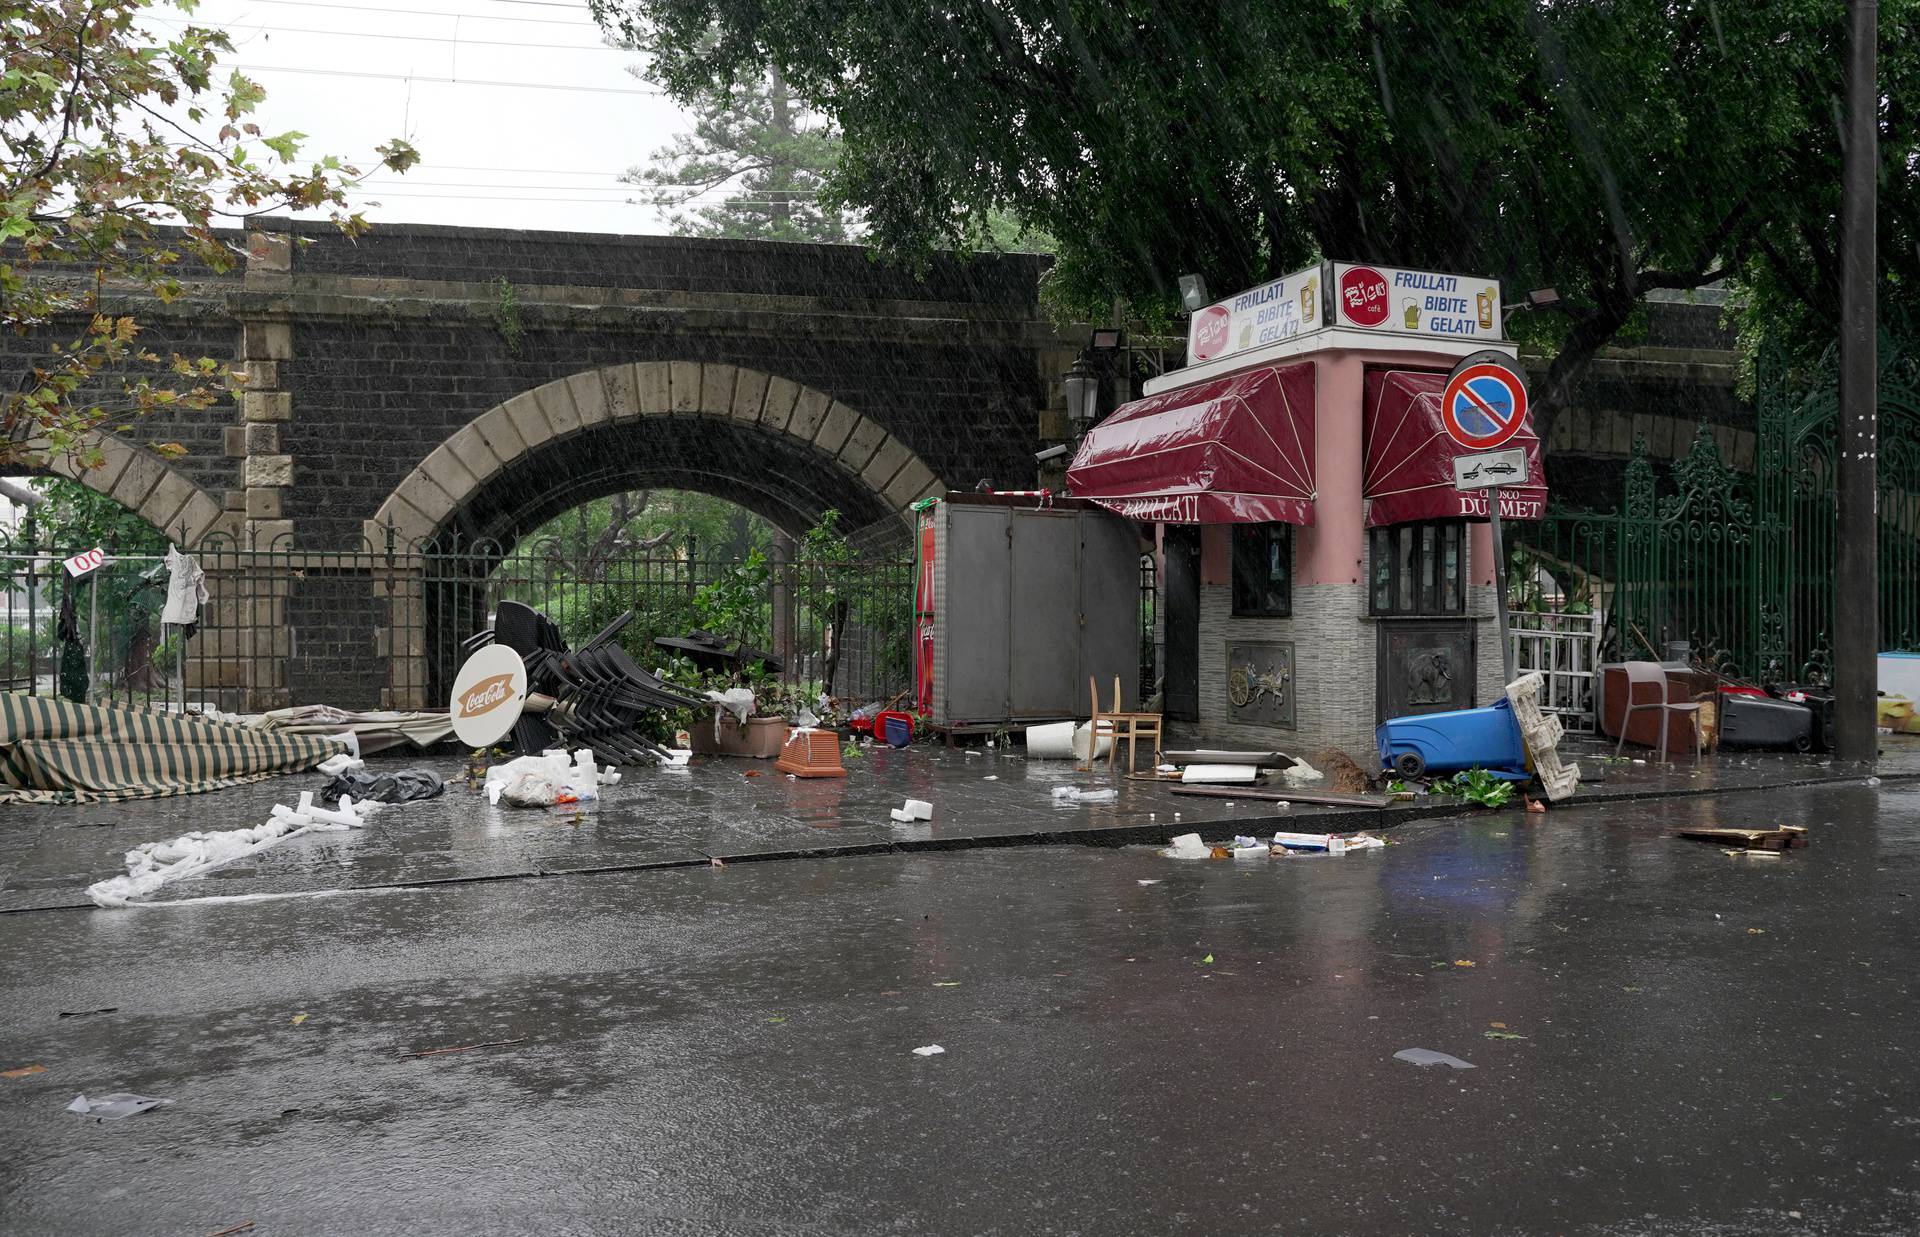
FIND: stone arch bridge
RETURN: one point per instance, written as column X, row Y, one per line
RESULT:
column 426, row 381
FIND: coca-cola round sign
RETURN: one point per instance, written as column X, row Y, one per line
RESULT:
column 1209, row 333
column 1363, row 296
column 488, row 695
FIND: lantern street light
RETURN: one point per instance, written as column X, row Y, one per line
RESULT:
column 1082, row 383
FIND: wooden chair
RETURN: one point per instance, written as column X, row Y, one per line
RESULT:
column 1117, row 724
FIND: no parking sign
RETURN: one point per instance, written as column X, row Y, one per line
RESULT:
column 1484, row 403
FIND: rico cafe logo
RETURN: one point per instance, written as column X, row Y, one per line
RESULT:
column 486, row 695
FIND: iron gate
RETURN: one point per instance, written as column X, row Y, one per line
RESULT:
column 1739, row 567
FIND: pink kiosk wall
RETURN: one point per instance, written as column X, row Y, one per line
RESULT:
column 1336, row 648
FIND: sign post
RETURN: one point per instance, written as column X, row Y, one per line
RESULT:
column 1483, row 406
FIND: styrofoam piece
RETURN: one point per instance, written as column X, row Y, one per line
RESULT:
column 919, row 809
column 1053, row 741
column 901, row 816
column 1220, row 773
column 1187, row 846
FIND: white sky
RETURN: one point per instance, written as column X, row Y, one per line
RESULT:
column 352, row 74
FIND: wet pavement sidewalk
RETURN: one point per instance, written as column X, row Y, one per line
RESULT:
column 1667, row 1042
column 738, row 810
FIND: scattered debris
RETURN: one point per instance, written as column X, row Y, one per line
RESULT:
column 403, row 786
column 88, row 1013
column 1074, row 794
column 243, row 1227
column 931, row 1050
column 298, row 1019
column 1151, row 882
column 1300, row 773
column 550, row 778
column 1786, row 837
column 1340, row 773
column 1294, row 796
column 1265, row 760
column 153, row 864
column 1463, row 961
column 1332, row 844
column 435, row 1052
column 946, row 983
column 114, row 1107
column 1187, row 846
column 23, row 1071
column 915, row 809
column 1220, row 773
column 1423, row 1057
column 1501, row 1035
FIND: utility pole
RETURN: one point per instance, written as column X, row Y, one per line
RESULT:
column 1856, row 642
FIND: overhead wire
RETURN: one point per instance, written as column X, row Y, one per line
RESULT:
column 414, row 38
column 445, row 81
column 369, row 8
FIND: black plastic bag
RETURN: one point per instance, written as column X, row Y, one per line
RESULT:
column 405, row 786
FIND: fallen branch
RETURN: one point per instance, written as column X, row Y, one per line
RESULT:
column 492, row 1043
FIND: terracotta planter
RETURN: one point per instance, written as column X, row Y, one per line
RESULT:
column 762, row 738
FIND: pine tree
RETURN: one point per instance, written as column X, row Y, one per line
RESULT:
column 768, row 154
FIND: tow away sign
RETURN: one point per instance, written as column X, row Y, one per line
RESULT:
column 1484, row 469
column 81, row 564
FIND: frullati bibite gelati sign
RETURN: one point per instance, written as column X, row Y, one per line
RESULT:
column 1263, row 315
column 1389, row 300
column 1381, row 300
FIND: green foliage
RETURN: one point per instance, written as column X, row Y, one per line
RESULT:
column 76, row 517
column 735, row 605
column 1605, row 150
column 1476, row 786
column 619, row 524
column 506, row 314
column 120, row 156
column 17, row 646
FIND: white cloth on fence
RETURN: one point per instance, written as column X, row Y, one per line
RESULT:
column 186, row 589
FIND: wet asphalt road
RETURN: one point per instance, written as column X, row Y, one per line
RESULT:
column 1711, row 1045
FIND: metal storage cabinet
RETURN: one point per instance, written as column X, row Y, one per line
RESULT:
column 1028, row 602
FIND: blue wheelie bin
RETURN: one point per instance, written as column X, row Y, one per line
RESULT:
column 1487, row 738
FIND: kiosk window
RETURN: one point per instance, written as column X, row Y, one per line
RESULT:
column 1263, row 570
column 1419, row 568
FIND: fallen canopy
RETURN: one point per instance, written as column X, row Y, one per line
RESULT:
column 377, row 730
column 55, row 751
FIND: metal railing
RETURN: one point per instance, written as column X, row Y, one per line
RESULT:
column 382, row 626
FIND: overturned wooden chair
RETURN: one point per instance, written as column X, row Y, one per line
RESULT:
column 1117, row 724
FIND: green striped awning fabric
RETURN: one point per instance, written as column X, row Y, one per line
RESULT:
column 56, row 751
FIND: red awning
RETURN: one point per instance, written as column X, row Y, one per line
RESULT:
column 1409, row 474
column 1236, row 450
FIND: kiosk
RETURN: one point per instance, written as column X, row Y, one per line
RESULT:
column 1319, row 570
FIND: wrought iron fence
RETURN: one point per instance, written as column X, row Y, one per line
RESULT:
column 381, row 626
column 1739, row 567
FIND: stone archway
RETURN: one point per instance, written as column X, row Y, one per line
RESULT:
column 795, row 420
column 148, row 486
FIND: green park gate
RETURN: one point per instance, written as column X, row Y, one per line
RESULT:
column 1739, row 567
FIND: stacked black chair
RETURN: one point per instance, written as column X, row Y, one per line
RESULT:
column 602, row 697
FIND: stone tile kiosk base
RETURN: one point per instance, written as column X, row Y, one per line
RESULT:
column 1336, row 642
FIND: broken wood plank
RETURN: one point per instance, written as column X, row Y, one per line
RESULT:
column 1786, row 837
column 1317, row 797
